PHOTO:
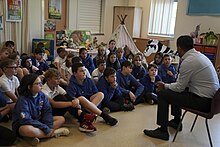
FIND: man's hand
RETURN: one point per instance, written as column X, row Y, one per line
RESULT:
column 160, row 86
column 132, row 96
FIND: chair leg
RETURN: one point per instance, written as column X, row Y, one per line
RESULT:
column 209, row 135
column 193, row 123
column 179, row 126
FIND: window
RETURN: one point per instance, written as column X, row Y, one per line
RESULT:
column 162, row 18
column 91, row 15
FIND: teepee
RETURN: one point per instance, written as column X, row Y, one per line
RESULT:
column 122, row 37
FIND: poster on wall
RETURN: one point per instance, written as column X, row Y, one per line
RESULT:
column 14, row 10
column 54, row 11
column 1, row 22
column 49, row 26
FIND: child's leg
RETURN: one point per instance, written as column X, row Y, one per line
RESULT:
column 97, row 98
column 58, row 121
column 89, row 105
column 30, row 131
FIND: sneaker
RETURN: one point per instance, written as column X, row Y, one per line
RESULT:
column 90, row 117
column 32, row 141
column 106, row 110
column 110, row 120
column 128, row 107
column 151, row 102
column 61, row 132
column 86, row 126
column 174, row 125
column 157, row 133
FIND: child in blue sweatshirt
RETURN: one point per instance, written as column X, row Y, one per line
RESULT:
column 149, row 82
column 129, row 85
column 138, row 70
column 86, row 59
column 113, row 98
column 32, row 116
column 167, row 71
column 80, row 85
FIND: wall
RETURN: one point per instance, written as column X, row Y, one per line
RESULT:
column 36, row 14
column 186, row 24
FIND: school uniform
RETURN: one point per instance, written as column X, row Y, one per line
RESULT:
column 129, row 83
column 43, row 66
column 88, row 63
column 87, row 89
column 113, row 98
column 138, row 72
column 122, row 60
column 35, row 111
column 9, row 85
column 162, row 72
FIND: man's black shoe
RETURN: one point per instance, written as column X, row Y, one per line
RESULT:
column 157, row 133
column 174, row 125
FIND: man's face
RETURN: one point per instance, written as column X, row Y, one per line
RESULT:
column 81, row 73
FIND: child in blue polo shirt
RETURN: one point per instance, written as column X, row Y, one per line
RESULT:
column 129, row 85
column 80, row 85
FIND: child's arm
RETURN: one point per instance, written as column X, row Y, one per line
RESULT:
column 11, row 95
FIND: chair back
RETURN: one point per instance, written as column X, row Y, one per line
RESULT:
column 215, row 106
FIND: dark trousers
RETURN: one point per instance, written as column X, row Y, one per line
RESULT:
column 62, row 111
column 115, row 104
column 176, row 99
column 7, row 137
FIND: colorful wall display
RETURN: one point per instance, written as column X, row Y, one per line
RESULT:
column 14, row 10
column 54, row 11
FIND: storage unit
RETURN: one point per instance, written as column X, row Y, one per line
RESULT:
column 132, row 21
column 211, row 51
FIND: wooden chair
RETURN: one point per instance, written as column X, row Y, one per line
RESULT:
column 215, row 109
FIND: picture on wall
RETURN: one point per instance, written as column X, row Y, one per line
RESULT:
column 1, row 22
column 49, row 26
column 14, row 10
column 54, row 9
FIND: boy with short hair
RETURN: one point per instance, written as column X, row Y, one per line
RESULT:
column 149, row 81
column 38, row 60
column 80, row 85
column 8, row 81
column 129, row 84
column 167, row 71
column 61, row 102
column 61, row 58
column 113, row 98
column 98, row 72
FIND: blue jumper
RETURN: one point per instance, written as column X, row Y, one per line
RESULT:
column 128, row 82
column 122, row 60
column 88, row 63
column 87, row 89
column 150, row 86
column 162, row 72
column 43, row 65
column 108, row 91
column 35, row 111
column 138, row 72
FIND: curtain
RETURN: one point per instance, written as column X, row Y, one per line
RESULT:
column 16, row 31
column 160, row 17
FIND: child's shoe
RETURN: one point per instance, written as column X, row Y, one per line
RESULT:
column 86, row 126
column 61, row 132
